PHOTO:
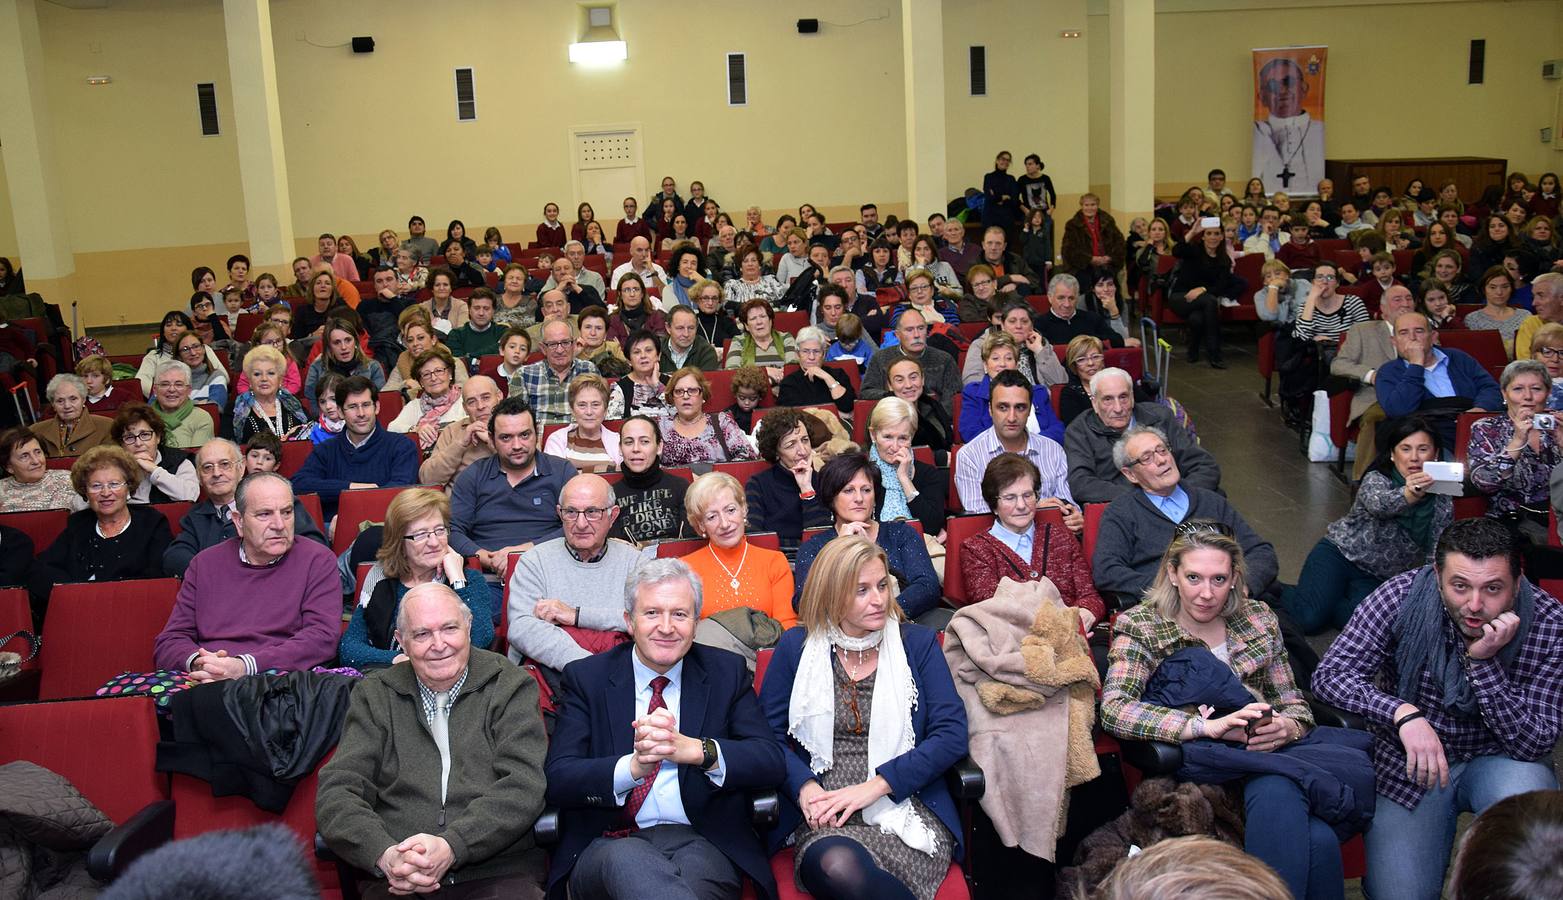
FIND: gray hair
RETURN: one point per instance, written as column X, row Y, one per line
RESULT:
column 65, row 379
column 1121, row 458
column 573, row 243
column 432, row 587
column 1110, row 372
column 233, row 449
column 1525, row 367
column 1063, row 279
column 247, row 482
column 656, row 572
column 173, row 365
column 811, row 333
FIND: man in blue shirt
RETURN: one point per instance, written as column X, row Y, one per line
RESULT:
column 364, row 455
column 1431, row 380
column 508, row 502
column 1137, row 526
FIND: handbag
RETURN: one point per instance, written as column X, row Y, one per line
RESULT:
column 11, row 662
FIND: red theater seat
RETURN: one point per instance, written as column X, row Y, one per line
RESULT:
column 95, row 631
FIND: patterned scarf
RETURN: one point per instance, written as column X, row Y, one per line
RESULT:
column 895, row 506
column 433, row 408
column 1420, row 645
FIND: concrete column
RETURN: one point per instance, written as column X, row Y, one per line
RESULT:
column 31, row 168
column 257, row 116
column 1132, row 170
column 922, row 50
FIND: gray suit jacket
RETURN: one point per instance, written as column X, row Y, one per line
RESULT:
column 1366, row 348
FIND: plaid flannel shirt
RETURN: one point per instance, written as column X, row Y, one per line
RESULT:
column 1142, row 639
column 549, row 396
column 1520, row 708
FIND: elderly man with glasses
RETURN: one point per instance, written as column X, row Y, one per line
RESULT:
column 188, row 426
column 547, row 381
column 567, row 592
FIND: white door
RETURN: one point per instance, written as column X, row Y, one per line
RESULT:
column 607, row 168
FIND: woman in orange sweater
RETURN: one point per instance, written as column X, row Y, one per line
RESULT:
column 735, row 573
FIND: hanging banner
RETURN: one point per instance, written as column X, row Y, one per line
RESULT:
column 1289, row 118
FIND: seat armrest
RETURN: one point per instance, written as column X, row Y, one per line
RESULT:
column 1152, row 757
column 1325, row 714
column 546, row 829
column 966, row 780
column 323, row 851
column 765, row 808
column 148, row 829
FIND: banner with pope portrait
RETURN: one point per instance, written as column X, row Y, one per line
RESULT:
column 1289, row 118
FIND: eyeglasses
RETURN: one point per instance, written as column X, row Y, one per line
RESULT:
column 418, row 537
column 1325, row 278
column 1203, row 526
column 590, row 514
column 1091, row 358
column 1147, row 456
column 1022, row 497
column 98, row 487
column 138, row 437
column 557, row 345
column 982, row 282
column 225, row 465
column 921, row 286
column 685, row 391
column 1550, row 352
column 171, row 384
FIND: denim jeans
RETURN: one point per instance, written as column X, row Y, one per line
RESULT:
column 1301, row 848
column 1408, row 849
column 1328, row 590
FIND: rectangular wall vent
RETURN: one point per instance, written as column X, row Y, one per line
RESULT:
column 1478, row 62
column 466, row 100
column 737, row 80
column 979, row 71
column 206, row 105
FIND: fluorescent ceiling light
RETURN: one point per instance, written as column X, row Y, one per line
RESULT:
column 599, row 52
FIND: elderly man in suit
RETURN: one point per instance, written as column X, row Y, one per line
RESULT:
column 1368, row 346
column 657, row 743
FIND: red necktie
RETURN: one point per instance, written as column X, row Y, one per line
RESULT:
column 638, row 795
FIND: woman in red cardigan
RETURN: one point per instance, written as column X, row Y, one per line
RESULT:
column 1016, row 547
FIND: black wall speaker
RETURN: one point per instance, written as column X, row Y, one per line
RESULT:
column 363, row 45
column 808, row 26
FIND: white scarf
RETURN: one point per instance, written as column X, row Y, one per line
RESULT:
column 811, row 720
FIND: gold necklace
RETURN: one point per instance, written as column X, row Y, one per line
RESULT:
column 732, row 573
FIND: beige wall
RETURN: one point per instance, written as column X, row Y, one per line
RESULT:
column 1396, row 83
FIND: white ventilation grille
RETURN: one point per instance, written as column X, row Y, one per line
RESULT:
column 206, row 105
column 605, row 149
column 466, row 100
column 737, row 80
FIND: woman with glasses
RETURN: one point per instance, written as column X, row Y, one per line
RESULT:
column 268, row 406
column 925, row 256
column 188, row 425
column 712, row 321
column 692, row 435
column 174, row 324
column 1000, row 354
column 584, row 443
column 415, row 550
column 110, row 540
column 761, row 344
column 864, row 707
column 852, row 489
column 167, row 475
column 438, row 402
column 1392, row 527
column 922, row 295
column 752, row 282
column 29, row 483
column 1511, row 457
column 814, row 383
column 275, row 336
column 1200, row 600
column 208, row 384
column 1020, row 549
column 418, row 336
column 1546, row 347
column 72, row 430
column 1083, row 358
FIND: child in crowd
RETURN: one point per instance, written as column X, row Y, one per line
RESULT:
column 330, row 423
column 263, row 453
column 496, row 245
column 851, row 343
column 486, row 259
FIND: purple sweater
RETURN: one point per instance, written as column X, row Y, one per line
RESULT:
column 287, row 616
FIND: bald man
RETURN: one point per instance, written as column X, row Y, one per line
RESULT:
column 572, row 586
column 464, row 441
column 641, row 264
column 1368, row 346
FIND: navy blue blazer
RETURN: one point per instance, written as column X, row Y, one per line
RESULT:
column 717, row 700
column 939, row 722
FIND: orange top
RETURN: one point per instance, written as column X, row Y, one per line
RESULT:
column 764, row 581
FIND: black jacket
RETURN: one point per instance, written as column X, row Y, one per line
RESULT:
column 16, row 557
column 256, row 736
column 775, row 505
column 203, row 526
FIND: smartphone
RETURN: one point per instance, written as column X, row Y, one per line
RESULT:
column 1210, row 222
column 1258, row 723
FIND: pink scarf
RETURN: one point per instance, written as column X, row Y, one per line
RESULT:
column 433, row 408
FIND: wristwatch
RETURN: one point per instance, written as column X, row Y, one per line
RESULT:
column 708, row 749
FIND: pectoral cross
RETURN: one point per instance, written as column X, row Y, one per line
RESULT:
column 1287, row 175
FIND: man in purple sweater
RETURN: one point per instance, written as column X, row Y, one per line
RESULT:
column 257, row 601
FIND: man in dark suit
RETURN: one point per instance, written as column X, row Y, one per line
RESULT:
column 656, row 747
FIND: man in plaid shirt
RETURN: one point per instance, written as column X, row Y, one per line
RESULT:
column 1458, row 669
column 547, row 381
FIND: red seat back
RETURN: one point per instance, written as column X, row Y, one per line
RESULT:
column 16, row 615
column 1093, row 527
column 1486, row 347
column 196, row 811
column 43, row 526
column 63, row 463
column 363, row 505
column 174, row 513
column 97, row 630
column 311, row 504
column 956, row 530
column 293, row 455
column 792, row 322
column 106, row 748
column 743, row 471
column 391, row 404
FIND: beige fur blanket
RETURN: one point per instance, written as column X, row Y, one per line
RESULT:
column 1029, row 685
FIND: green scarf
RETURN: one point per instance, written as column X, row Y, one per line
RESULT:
column 176, row 418
column 1417, row 519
